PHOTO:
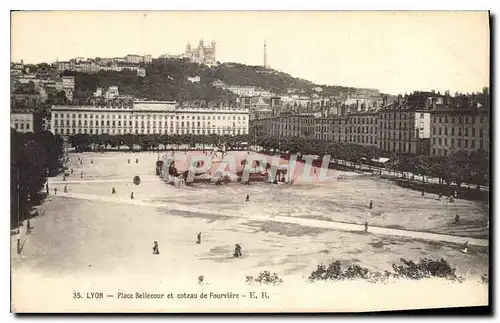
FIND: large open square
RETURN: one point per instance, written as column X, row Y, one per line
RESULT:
column 286, row 229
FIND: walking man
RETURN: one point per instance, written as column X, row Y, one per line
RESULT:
column 366, row 226
column 198, row 241
column 47, row 188
column 65, row 188
column 81, row 175
column 129, row 160
column 457, row 219
column 132, row 195
column 156, row 250
column 55, row 190
column 113, row 191
column 247, row 198
column 137, row 160
column 371, row 204
column 423, row 193
column 237, row 251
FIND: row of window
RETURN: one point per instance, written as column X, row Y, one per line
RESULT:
column 113, row 131
column 330, row 122
column 444, row 130
column 363, row 139
column 389, row 116
column 392, row 125
column 148, row 116
column 459, row 142
column 398, row 135
column 148, row 124
column 466, row 119
column 363, row 120
column 21, row 126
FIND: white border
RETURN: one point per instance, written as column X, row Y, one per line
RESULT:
column 185, row 5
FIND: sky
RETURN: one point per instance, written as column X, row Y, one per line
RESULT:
column 396, row 52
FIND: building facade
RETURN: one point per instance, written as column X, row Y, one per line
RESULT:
column 68, row 86
column 362, row 129
column 148, row 117
column 404, row 130
column 22, row 121
column 289, row 125
column 459, row 129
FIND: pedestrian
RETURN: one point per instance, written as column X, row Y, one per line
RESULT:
column 457, row 219
column 156, row 250
column 64, row 178
column 81, row 175
column 451, row 199
column 129, row 160
column 91, row 161
column 113, row 191
column 366, row 226
column 237, row 251
column 439, row 196
column 423, row 193
column 81, row 162
column 198, row 238
column 71, row 171
column 55, row 190
column 65, row 188
column 132, row 195
column 137, row 160
column 466, row 247
column 371, row 204
column 47, row 188
column 247, row 198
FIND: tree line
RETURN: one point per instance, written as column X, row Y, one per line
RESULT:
column 33, row 157
column 153, row 142
column 458, row 168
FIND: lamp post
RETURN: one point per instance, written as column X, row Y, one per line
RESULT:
column 18, row 216
column 28, row 199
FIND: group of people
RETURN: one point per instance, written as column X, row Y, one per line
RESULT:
column 237, row 247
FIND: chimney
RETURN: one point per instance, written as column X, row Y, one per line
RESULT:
column 384, row 101
column 358, row 105
column 427, row 103
column 400, row 99
column 434, row 103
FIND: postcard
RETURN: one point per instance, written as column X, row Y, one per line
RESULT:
column 244, row 161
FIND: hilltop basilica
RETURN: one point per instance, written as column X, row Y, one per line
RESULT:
column 201, row 54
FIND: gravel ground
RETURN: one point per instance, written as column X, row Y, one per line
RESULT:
column 77, row 240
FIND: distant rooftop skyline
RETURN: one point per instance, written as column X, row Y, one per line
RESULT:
column 395, row 52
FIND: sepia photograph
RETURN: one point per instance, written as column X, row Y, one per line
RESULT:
column 249, row 161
